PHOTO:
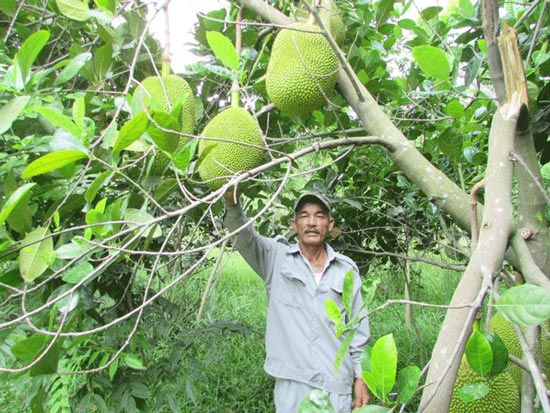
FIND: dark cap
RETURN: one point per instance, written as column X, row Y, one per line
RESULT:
column 313, row 197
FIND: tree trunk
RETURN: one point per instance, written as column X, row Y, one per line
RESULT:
column 485, row 263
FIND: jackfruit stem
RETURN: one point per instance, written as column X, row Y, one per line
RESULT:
column 235, row 88
column 165, row 69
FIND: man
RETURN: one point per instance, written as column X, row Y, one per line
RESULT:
column 301, row 344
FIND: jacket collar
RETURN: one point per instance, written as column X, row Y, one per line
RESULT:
column 331, row 255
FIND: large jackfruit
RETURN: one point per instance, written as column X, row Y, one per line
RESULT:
column 503, row 396
column 302, row 70
column 237, row 146
column 498, row 324
column 164, row 93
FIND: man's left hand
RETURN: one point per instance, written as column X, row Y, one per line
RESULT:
column 361, row 393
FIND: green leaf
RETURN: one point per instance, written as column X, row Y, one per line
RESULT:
column 11, row 110
column 130, row 132
column 10, row 204
column 37, row 253
column 347, row 293
column 49, row 361
column 132, row 362
column 473, row 392
column 317, row 401
column 73, row 68
column 432, row 61
column 407, row 383
column 161, row 135
column 224, row 49
column 103, row 59
column 72, row 250
column 385, row 7
column 96, row 185
column 51, row 162
column 77, row 273
column 383, row 366
column 30, row 50
column 74, row 9
column 333, row 313
column 372, row 408
column 184, row 156
column 343, row 350
column 479, row 353
column 500, row 354
column 368, row 289
column 525, row 305
column 139, row 217
column 79, row 112
column 60, row 121
column 29, row 348
column 455, row 109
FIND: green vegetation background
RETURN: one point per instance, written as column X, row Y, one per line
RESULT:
column 216, row 364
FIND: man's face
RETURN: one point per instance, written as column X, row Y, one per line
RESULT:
column 312, row 224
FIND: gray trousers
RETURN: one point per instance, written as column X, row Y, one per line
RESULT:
column 289, row 394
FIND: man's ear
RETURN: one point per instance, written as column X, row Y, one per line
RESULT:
column 330, row 223
column 293, row 223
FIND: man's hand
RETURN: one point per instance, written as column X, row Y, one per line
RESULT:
column 231, row 197
column 361, row 393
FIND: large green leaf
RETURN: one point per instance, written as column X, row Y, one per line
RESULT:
column 12, row 201
column 500, row 354
column 383, row 367
column 432, row 61
column 162, row 130
column 30, row 50
column 479, row 353
column 11, row 110
column 473, row 392
column 224, row 49
column 335, row 315
column 60, row 121
column 317, row 401
column 347, row 293
column 407, row 383
column 74, row 9
column 73, row 67
column 140, row 217
column 37, row 253
column 525, row 305
column 130, row 132
column 343, row 350
column 51, row 162
column 29, row 348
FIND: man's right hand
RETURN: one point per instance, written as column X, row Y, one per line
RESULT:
column 231, row 197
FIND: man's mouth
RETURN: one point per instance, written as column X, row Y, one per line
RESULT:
column 312, row 232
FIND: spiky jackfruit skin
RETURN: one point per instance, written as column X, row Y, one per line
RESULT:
column 503, row 396
column 221, row 159
column 163, row 93
column 302, row 70
column 498, row 324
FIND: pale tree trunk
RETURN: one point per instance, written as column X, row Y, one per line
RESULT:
column 485, row 263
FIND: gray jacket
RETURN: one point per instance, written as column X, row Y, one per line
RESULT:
column 300, row 341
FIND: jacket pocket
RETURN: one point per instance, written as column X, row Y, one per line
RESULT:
column 291, row 288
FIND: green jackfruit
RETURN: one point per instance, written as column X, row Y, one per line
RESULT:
column 503, row 396
column 164, row 93
column 498, row 324
column 302, row 71
column 239, row 149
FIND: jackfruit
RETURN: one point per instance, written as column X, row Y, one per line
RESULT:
column 240, row 146
column 498, row 324
column 164, row 93
column 503, row 395
column 302, row 71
